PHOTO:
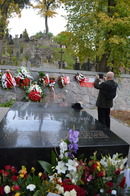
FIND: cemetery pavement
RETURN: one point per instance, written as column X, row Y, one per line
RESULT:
column 117, row 127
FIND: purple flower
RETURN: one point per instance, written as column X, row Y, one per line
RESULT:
column 73, row 147
column 70, row 155
column 73, row 136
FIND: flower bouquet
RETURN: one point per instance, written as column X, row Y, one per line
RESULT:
column 67, row 175
column 8, row 80
column 79, row 77
column 34, row 93
column 22, row 183
column 63, row 81
column 75, row 176
column 43, row 79
column 23, row 77
column 52, row 82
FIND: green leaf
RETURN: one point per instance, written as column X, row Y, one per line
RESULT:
column 46, row 166
column 53, row 158
column 37, row 193
column 81, row 157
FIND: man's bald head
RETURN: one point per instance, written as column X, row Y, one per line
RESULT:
column 110, row 75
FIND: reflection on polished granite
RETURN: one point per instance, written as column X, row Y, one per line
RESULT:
column 29, row 131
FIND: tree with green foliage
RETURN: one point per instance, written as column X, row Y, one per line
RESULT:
column 47, row 10
column 101, row 30
column 7, row 9
column 64, row 38
column 41, row 34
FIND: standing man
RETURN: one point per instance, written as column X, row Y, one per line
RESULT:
column 107, row 92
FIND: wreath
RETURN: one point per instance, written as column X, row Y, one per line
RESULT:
column 35, row 93
column 23, row 77
column 63, row 81
column 7, row 80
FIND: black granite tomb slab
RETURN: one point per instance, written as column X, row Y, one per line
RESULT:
column 29, row 131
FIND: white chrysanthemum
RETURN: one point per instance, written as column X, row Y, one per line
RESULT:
column 31, row 187
column 101, row 190
column 61, row 168
column 72, row 164
column 7, row 189
column 114, row 192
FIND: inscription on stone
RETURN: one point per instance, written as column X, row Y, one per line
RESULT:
column 95, row 134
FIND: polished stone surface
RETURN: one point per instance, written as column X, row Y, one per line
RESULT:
column 29, row 131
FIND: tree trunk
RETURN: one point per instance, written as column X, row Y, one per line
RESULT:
column 46, row 26
column 1, row 49
column 102, row 64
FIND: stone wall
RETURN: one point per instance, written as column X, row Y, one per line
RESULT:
column 72, row 92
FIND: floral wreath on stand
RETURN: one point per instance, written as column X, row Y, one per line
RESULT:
column 23, row 77
column 79, row 77
column 7, row 80
column 52, row 82
column 34, row 93
column 63, row 81
column 43, row 79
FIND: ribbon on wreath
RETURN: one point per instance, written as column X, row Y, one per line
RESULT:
column 84, row 81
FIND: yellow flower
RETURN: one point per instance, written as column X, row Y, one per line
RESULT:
column 17, row 194
column 32, row 169
column 21, row 175
column 98, row 168
column 22, row 172
column 40, row 174
column 98, row 165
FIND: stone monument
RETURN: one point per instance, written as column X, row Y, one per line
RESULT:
column 30, row 131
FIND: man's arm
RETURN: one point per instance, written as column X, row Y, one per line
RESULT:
column 97, row 83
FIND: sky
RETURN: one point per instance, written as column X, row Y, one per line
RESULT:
column 34, row 23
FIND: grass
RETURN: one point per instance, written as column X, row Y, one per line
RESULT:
column 123, row 116
column 7, row 104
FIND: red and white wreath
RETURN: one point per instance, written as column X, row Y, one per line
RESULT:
column 34, row 93
column 63, row 81
column 23, row 77
column 8, row 80
column 80, row 77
